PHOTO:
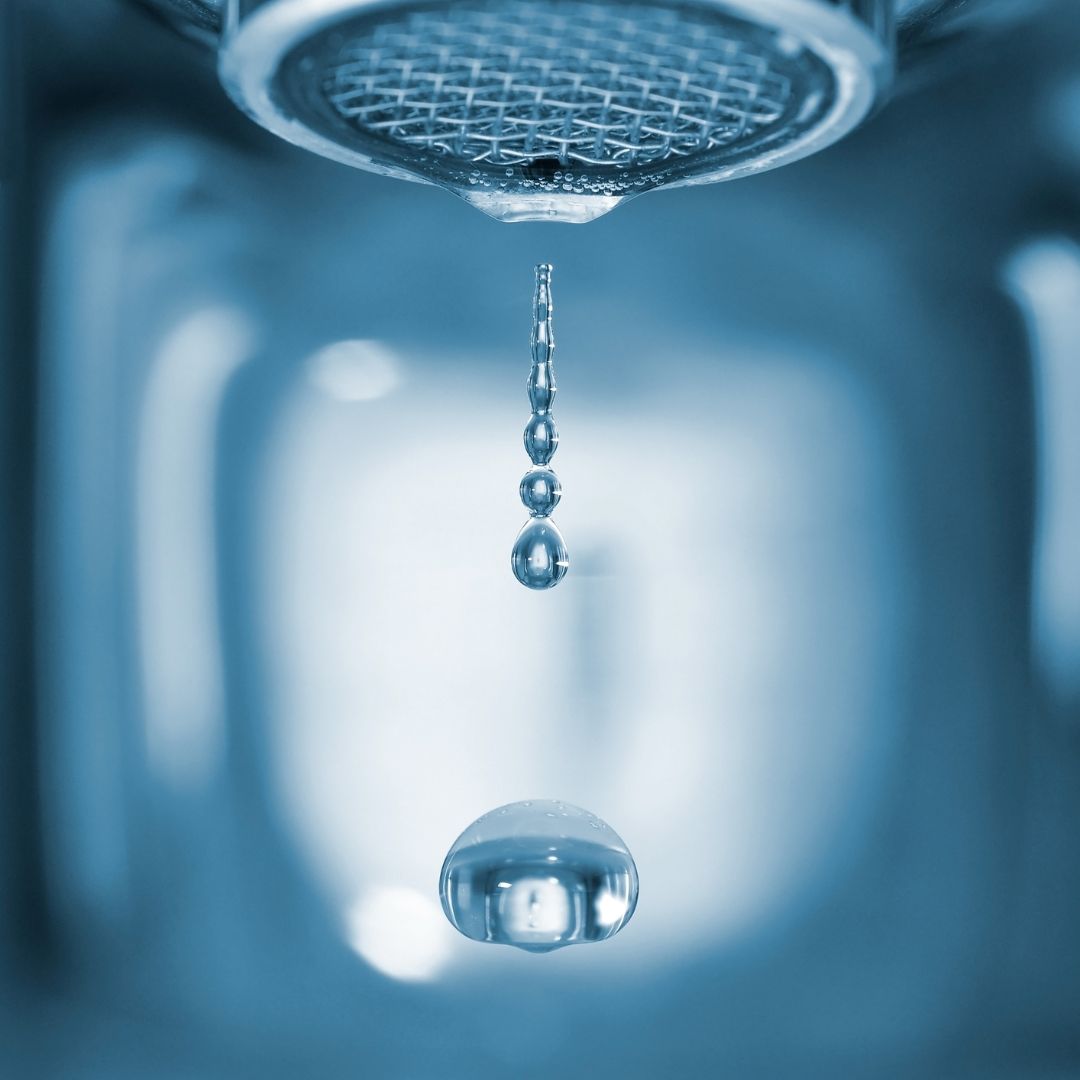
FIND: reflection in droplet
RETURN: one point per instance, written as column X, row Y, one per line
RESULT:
column 541, row 387
column 540, row 491
column 541, row 438
column 539, row 875
column 539, row 558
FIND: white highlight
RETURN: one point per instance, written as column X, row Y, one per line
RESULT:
column 357, row 370
column 399, row 932
column 610, row 908
column 1044, row 277
column 536, row 906
column 177, row 600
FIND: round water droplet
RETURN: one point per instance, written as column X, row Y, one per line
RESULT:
column 541, row 438
column 539, row 558
column 539, row 875
column 540, row 491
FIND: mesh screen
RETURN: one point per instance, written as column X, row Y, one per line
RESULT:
column 507, row 82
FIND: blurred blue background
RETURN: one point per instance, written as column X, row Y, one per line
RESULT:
column 817, row 659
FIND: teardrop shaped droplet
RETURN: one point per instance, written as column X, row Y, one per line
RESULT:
column 539, row 875
column 540, row 491
column 541, row 438
column 539, row 558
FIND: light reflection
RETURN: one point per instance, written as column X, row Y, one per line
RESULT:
column 610, row 908
column 176, row 568
column 536, row 906
column 1044, row 277
column 355, row 370
column 400, row 932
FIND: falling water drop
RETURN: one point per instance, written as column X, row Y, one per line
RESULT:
column 540, row 491
column 539, row 875
column 541, row 384
column 539, row 558
column 541, row 438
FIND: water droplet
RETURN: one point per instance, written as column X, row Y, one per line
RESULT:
column 521, row 878
column 541, row 386
column 539, row 558
column 541, row 438
column 540, row 491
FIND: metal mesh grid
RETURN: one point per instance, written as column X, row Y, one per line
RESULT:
column 507, row 82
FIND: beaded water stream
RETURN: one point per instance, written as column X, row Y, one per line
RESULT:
column 539, row 558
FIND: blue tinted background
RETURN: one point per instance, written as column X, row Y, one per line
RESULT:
column 817, row 658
